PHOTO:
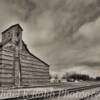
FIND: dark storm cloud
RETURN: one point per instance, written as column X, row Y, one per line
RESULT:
column 67, row 15
column 23, row 8
column 63, row 32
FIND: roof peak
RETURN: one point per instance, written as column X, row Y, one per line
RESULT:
column 15, row 25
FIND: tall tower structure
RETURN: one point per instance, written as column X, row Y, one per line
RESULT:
column 13, row 38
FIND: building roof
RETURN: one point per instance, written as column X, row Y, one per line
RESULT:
column 33, row 54
column 16, row 25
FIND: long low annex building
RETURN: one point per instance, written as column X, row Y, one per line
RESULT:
column 18, row 66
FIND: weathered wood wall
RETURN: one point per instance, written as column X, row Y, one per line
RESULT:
column 33, row 71
column 6, row 68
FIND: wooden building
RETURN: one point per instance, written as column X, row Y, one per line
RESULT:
column 18, row 66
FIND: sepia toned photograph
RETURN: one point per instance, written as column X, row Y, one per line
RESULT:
column 49, row 49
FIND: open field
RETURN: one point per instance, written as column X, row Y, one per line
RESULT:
column 91, row 94
column 68, row 91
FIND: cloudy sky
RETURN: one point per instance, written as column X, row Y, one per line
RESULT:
column 63, row 33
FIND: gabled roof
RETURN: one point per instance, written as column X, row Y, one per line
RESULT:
column 32, row 54
column 16, row 25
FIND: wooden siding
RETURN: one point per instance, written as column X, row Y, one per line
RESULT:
column 33, row 71
column 6, row 67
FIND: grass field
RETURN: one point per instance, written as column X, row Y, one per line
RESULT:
column 91, row 94
column 76, row 93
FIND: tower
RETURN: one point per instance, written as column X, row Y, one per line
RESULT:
column 12, row 37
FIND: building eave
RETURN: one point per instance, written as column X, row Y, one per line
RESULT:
column 34, row 55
